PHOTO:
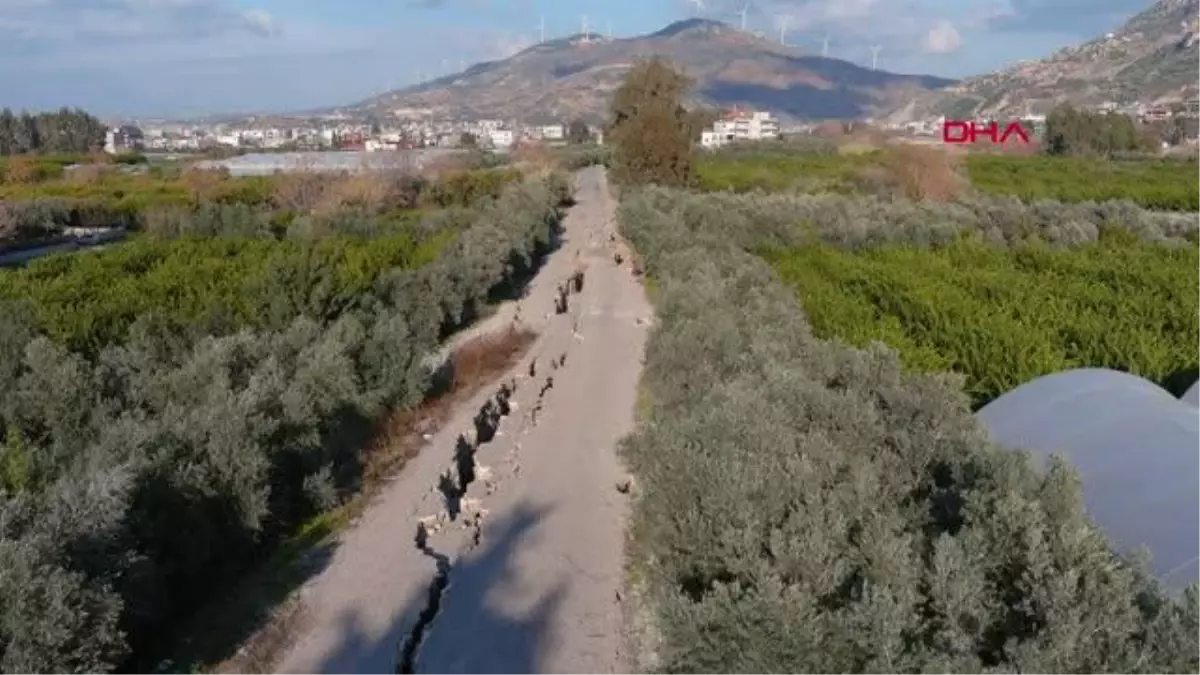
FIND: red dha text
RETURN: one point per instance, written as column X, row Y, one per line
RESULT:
column 957, row 131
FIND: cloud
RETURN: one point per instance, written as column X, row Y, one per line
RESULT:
column 942, row 38
column 71, row 22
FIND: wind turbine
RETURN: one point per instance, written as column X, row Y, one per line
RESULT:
column 783, row 26
column 825, row 46
column 542, row 29
column 699, row 5
column 608, row 29
column 745, row 8
column 587, row 33
column 875, row 57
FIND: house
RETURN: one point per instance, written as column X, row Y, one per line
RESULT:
column 501, row 138
column 740, row 125
column 125, row 138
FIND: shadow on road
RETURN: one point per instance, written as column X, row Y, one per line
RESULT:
column 471, row 632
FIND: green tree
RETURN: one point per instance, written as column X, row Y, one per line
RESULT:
column 699, row 119
column 468, row 140
column 648, row 126
column 1080, row 132
column 578, row 132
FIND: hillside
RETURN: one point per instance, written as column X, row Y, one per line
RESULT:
column 575, row 76
column 1153, row 57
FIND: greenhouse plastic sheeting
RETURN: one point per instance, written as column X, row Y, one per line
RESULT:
column 1137, row 450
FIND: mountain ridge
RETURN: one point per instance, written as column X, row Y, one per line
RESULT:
column 574, row 76
column 1152, row 58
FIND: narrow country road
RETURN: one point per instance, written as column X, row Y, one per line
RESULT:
column 500, row 547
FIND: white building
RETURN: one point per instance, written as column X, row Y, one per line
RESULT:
column 553, row 132
column 501, row 138
column 740, row 126
column 123, row 139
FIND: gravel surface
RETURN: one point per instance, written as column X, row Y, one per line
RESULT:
column 500, row 547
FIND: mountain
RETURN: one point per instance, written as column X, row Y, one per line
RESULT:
column 576, row 76
column 1152, row 58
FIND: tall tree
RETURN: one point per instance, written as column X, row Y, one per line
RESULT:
column 578, row 132
column 649, row 128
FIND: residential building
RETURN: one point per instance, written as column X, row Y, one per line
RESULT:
column 501, row 138
column 741, row 125
column 125, row 138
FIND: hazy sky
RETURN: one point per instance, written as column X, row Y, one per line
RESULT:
column 185, row 57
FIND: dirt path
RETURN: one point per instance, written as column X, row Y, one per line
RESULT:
column 499, row 548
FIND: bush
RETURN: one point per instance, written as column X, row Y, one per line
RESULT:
column 810, row 507
column 138, row 481
column 784, row 221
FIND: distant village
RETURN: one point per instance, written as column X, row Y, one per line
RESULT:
column 336, row 133
column 329, row 134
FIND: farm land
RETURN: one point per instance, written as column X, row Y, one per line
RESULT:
column 816, row 494
column 191, row 410
column 218, row 393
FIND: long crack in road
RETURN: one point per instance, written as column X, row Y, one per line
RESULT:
column 517, row 560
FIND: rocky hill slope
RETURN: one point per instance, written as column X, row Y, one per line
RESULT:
column 576, row 76
column 1152, row 58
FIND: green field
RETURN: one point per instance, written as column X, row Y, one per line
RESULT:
column 1165, row 185
column 217, row 284
column 1158, row 184
column 1003, row 317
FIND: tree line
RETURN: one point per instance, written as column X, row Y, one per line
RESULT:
column 1081, row 132
column 69, row 130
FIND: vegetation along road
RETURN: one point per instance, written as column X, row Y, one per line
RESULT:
column 499, row 548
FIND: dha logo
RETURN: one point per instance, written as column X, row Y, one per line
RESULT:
column 968, row 132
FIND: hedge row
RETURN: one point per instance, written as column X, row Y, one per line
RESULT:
column 810, row 507
column 1005, row 317
column 865, row 222
column 136, row 483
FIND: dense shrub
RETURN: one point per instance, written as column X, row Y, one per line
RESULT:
column 135, row 482
column 809, row 507
column 1082, row 132
column 1004, row 317
column 785, row 221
